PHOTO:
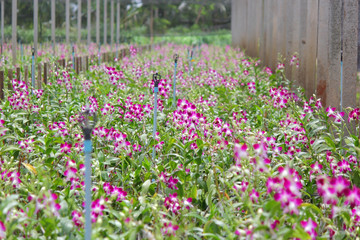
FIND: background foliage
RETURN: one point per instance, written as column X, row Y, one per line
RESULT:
column 172, row 19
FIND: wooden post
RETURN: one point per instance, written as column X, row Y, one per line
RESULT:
column 14, row 30
column 79, row 21
column 281, row 28
column 18, row 77
column 242, row 23
column 39, row 79
column 112, row 23
column 2, row 25
column 334, row 81
column 351, row 9
column 46, row 73
column 262, row 32
column 105, row 22
column 311, row 46
column 248, row 44
column 53, row 24
column 80, row 64
column 274, row 35
column 68, row 65
column 295, row 48
column 328, row 55
column 87, row 63
column 26, row 75
column 268, row 31
column 97, row 22
column 322, row 51
column 2, row 84
column 302, row 43
column 289, row 37
column 77, row 65
column 11, row 77
column 88, row 22
column 67, row 20
column 36, row 11
column 118, row 21
column 252, row 27
column 235, row 23
column 257, row 26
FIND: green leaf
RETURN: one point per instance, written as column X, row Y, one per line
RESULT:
column 330, row 142
column 193, row 192
column 10, row 148
column 195, row 215
column 145, row 187
column 273, row 207
column 312, row 206
column 300, row 233
column 8, row 204
column 355, row 177
column 101, row 158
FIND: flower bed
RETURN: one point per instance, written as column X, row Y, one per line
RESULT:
column 240, row 155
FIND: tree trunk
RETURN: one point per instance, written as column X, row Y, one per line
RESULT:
column 151, row 25
column 199, row 14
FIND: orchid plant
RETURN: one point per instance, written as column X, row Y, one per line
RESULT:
column 242, row 155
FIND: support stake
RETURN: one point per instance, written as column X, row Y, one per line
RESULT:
column 156, row 79
column 176, row 57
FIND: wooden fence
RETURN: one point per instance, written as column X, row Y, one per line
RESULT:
column 323, row 33
column 42, row 73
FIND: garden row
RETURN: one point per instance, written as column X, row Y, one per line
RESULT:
column 77, row 62
column 239, row 154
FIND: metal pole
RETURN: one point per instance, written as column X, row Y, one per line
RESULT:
column 73, row 56
column 156, row 78
column 33, row 70
column 79, row 21
column 88, row 22
column 2, row 22
column 87, row 129
column 14, row 32
column 22, row 51
column 97, row 21
column 112, row 23
column 118, row 22
column 105, row 22
column 36, row 14
column 67, row 20
column 174, row 82
column 87, row 152
column 341, row 83
column 53, row 25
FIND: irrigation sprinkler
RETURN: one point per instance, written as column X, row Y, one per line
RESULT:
column 156, row 79
column 73, row 57
column 33, row 70
column 87, row 129
column 175, row 57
